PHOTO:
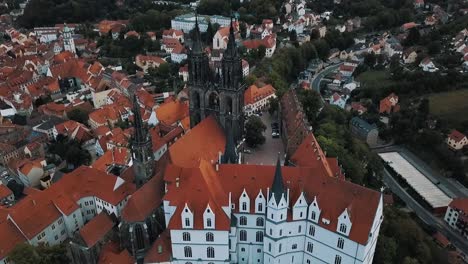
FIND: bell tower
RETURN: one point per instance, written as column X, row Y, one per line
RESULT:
column 232, row 89
column 68, row 42
column 142, row 148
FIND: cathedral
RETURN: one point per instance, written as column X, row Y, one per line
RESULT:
column 220, row 94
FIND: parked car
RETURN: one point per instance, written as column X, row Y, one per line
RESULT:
column 247, row 151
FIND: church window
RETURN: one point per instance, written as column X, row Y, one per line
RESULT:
column 188, row 252
column 259, row 221
column 243, row 235
column 186, row 236
column 343, row 228
column 259, row 236
column 260, row 207
column 209, row 237
column 340, row 243
column 311, row 230
column 243, row 220
column 337, row 259
column 139, row 237
column 210, row 253
column 310, row 247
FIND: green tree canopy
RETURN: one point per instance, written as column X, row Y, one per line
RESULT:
column 42, row 254
column 254, row 129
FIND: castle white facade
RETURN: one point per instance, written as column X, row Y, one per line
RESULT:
column 273, row 225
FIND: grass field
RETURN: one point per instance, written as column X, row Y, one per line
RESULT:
column 375, row 79
column 452, row 106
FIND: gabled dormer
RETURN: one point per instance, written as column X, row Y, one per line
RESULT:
column 260, row 203
column 187, row 217
column 300, row 208
column 244, row 202
column 314, row 210
column 208, row 218
column 344, row 223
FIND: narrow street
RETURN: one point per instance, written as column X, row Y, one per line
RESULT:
column 318, row 78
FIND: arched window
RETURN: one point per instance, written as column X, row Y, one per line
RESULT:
column 259, row 236
column 313, row 216
column 243, row 235
column 186, row 236
column 337, row 259
column 210, row 253
column 310, row 247
column 139, row 237
column 340, row 243
column 342, row 228
column 311, row 230
column 209, row 237
column 259, row 221
column 188, row 252
column 243, row 220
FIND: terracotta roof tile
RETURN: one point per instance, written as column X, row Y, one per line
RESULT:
column 96, row 229
column 253, row 94
column 171, row 112
column 456, row 136
column 161, row 250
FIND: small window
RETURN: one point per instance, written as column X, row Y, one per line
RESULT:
column 186, row 236
column 244, row 206
column 210, row 253
column 243, row 220
column 340, row 243
column 208, row 222
column 343, row 228
column 313, row 216
column 209, row 237
column 243, row 235
column 187, row 222
column 279, row 248
column 294, row 246
column 260, row 221
column 310, row 247
column 260, row 207
column 188, row 252
column 337, row 259
column 299, row 229
column 259, row 236
column 311, row 230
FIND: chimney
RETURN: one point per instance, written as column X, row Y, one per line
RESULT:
column 177, row 182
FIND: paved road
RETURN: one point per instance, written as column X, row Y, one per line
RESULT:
column 266, row 154
column 318, row 78
column 456, row 239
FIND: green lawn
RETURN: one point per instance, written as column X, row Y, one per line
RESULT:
column 452, row 106
column 375, row 79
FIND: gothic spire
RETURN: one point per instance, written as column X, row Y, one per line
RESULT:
column 230, row 155
column 197, row 46
column 139, row 133
column 231, row 50
column 277, row 188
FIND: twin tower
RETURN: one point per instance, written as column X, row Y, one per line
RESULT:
column 216, row 92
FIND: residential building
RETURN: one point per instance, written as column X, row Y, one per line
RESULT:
column 389, row 104
column 269, row 42
column 257, row 99
column 174, row 34
column 338, row 100
column 147, row 61
column 427, row 65
column 456, row 140
column 456, row 216
column 364, row 131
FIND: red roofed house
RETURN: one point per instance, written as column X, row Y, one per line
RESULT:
column 171, row 112
column 389, row 104
column 256, row 99
column 174, row 34
column 30, row 172
column 57, row 213
column 87, row 244
column 456, row 215
column 73, row 130
column 457, row 140
column 146, row 61
column 358, row 107
column 132, row 34
column 269, row 42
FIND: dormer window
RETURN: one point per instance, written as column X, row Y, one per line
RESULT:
column 260, row 207
column 187, row 222
column 313, row 216
column 343, row 228
column 208, row 222
column 244, row 206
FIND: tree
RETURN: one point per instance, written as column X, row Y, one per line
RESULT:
column 413, row 37
column 311, row 103
column 254, row 129
column 315, row 34
column 78, row 115
column 42, row 254
column 71, row 150
column 273, row 105
column 292, row 35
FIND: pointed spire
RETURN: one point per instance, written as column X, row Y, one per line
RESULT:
column 139, row 133
column 230, row 155
column 196, row 41
column 277, row 189
column 231, row 50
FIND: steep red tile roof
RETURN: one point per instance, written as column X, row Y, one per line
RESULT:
column 204, row 141
column 145, row 200
column 456, row 136
column 115, row 156
column 161, row 250
column 74, row 130
column 170, row 112
column 310, row 154
column 96, row 229
column 111, row 254
column 169, row 33
column 254, row 94
column 460, row 204
column 145, row 99
column 8, row 230
column 333, row 195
